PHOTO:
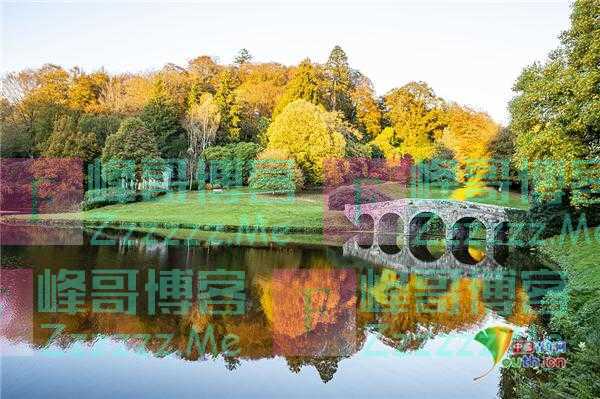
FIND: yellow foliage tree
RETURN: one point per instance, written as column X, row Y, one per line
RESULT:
column 309, row 134
column 416, row 114
column 468, row 135
column 367, row 113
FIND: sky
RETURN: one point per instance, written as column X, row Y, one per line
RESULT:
column 469, row 51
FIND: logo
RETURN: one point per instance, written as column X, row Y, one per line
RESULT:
column 496, row 340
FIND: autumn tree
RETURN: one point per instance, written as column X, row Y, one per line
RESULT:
column 127, row 94
column 201, row 123
column 416, row 115
column 308, row 133
column 44, row 103
column 468, row 135
column 173, row 83
column 86, row 90
column 204, row 72
column 259, row 91
column 367, row 113
column 306, row 84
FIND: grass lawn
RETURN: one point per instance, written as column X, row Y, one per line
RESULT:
column 225, row 210
column 579, row 257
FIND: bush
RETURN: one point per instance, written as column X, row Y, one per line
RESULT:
column 230, row 160
column 107, row 196
column 116, row 195
column 274, row 171
column 351, row 195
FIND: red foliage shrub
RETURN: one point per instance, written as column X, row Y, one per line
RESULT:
column 354, row 195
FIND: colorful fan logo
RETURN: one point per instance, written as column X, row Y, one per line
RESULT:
column 496, row 340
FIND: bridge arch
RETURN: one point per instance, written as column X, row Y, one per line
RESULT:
column 426, row 233
column 467, row 228
column 390, row 233
column 366, row 225
column 501, row 233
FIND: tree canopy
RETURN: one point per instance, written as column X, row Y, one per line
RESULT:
column 309, row 134
column 555, row 114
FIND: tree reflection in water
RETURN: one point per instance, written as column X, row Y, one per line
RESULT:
column 315, row 311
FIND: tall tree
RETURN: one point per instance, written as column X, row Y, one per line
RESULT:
column 261, row 87
column 161, row 117
column 309, row 134
column 556, row 112
column 173, row 82
column 66, row 141
column 204, row 72
column 242, row 57
column 129, row 146
column 101, row 125
column 367, row 112
column 86, row 90
column 417, row 121
column 468, row 135
column 306, row 84
column 338, row 82
column 45, row 103
column 225, row 99
column 201, row 123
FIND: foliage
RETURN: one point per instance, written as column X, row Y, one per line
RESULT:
column 201, row 123
column 127, row 94
column 132, row 143
column 354, row 195
column 338, row 83
column 556, row 112
column 259, row 91
column 367, row 114
column 502, row 150
column 243, row 57
column 101, row 125
column 107, row 196
column 348, row 171
column 310, row 135
column 86, row 90
column 116, row 195
column 59, row 183
column 16, row 139
column 416, row 115
column 161, row 118
column 275, row 171
column 468, row 135
column 67, row 142
column 306, row 84
column 237, row 156
column 225, row 98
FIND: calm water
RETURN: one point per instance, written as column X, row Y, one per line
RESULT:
column 298, row 322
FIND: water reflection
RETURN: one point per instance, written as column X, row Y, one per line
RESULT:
column 310, row 307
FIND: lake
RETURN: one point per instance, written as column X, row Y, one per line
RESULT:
column 135, row 317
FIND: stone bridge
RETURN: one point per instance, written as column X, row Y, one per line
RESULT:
column 384, row 217
column 379, row 225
